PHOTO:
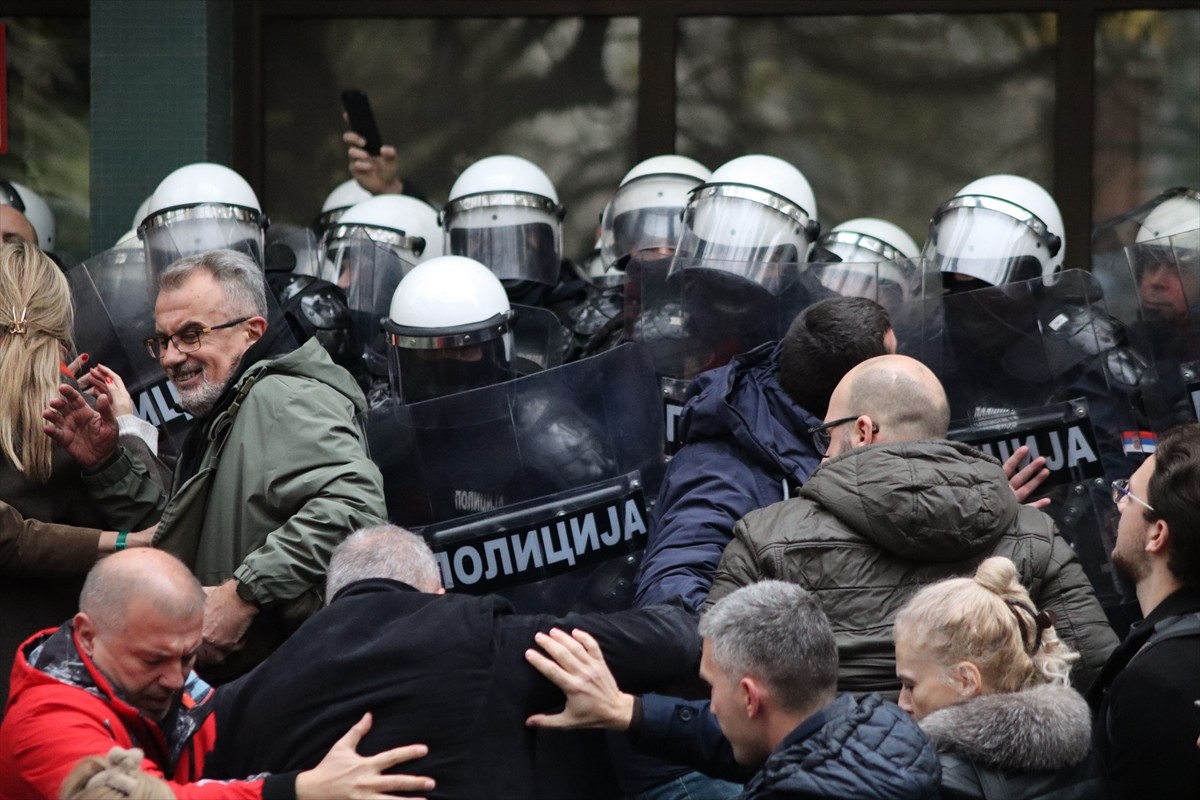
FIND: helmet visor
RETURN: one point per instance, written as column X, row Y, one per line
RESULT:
column 888, row 283
column 369, row 273
column 644, row 214
column 516, row 243
column 988, row 244
column 422, row 374
column 744, row 237
column 167, row 240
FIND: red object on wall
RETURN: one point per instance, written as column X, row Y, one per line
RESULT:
column 3, row 95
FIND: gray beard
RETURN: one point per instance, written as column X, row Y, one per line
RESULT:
column 199, row 402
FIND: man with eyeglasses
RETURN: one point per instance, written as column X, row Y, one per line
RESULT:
column 1146, row 725
column 271, row 478
column 896, row 505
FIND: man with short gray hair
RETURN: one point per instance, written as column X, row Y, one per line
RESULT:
column 271, row 477
column 770, row 657
column 447, row 668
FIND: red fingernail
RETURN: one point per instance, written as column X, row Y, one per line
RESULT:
column 63, row 369
column 108, row 379
column 84, row 357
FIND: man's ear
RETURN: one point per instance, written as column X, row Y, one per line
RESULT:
column 85, row 629
column 864, row 431
column 255, row 327
column 1158, row 537
column 751, row 694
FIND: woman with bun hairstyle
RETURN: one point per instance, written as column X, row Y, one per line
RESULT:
column 985, row 675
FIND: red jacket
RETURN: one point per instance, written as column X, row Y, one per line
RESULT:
column 53, row 721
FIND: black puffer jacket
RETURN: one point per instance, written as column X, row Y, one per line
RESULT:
column 867, row 749
column 877, row 523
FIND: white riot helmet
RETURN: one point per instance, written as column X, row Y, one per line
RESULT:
column 755, row 216
column 1177, row 211
column 344, row 195
column 999, row 229
column 201, row 207
column 646, row 211
column 35, row 209
column 877, row 260
column 449, row 330
column 367, row 253
column 405, row 224
column 130, row 239
column 503, row 212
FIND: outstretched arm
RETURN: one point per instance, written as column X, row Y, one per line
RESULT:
column 576, row 665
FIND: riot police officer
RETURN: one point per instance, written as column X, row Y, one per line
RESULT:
column 642, row 221
column 872, row 258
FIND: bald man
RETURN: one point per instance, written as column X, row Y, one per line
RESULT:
column 120, row 674
column 14, row 227
column 896, row 505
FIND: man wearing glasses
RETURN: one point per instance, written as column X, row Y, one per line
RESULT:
column 1146, row 725
column 896, row 505
column 271, row 478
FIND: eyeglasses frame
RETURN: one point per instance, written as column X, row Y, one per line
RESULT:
column 154, row 344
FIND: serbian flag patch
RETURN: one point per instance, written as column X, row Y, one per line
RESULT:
column 1138, row 442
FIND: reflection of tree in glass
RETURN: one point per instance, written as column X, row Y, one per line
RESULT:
column 1147, row 105
column 447, row 92
column 48, row 123
column 886, row 115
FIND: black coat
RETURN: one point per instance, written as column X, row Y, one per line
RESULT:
column 447, row 671
column 1146, row 725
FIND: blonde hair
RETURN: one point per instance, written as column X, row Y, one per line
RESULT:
column 990, row 621
column 116, row 776
column 36, row 318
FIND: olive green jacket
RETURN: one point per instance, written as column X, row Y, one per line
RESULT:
column 280, row 476
column 877, row 523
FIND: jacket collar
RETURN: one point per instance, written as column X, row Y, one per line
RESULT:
column 56, row 656
column 1042, row 728
column 744, row 401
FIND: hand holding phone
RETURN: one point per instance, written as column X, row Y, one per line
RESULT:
column 362, row 120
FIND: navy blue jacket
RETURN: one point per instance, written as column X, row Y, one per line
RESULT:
column 746, row 446
column 860, row 749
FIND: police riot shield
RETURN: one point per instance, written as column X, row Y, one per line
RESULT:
column 1155, row 290
column 535, row 488
column 1078, row 486
column 293, row 249
column 892, row 284
column 597, row 322
column 539, row 339
column 1046, row 366
column 369, row 273
column 697, row 315
column 312, row 306
column 114, row 301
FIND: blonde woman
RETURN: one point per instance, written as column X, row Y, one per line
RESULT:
column 985, row 675
column 40, row 487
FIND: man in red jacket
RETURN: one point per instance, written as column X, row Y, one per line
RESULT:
column 120, row 673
